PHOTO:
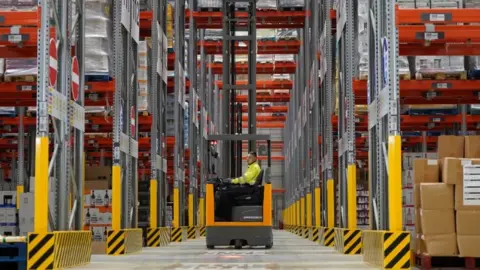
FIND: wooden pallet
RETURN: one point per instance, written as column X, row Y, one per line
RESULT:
column 460, row 75
column 405, row 76
column 429, row 262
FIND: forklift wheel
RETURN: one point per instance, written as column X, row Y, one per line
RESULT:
column 210, row 246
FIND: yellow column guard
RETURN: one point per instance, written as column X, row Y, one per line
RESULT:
column 302, row 211
column 176, row 208
column 395, row 183
column 41, row 186
column 116, row 198
column 309, row 210
column 330, row 203
column 318, row 210
column 153, row 203
column 202, row 211
column 352, row 196
column 190, row 210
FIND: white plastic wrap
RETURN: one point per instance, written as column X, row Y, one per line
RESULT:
column 435, row 64
column 98, row 39
column 19, row 67
column 430, row 3
column 472, row 3
column 142, row 76
column 18, row 4
column 291, row 3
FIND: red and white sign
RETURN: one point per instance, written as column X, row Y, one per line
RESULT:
column 132, row 121
column 75, row 79
column 53, row 68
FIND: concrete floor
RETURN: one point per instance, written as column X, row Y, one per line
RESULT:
column 289, row 252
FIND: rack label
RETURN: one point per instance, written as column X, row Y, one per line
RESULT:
column 131, row 18
column 471, row 184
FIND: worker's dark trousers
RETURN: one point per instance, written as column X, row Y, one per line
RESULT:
column 226, row 200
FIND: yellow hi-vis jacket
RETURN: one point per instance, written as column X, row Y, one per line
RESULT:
column 250, row 176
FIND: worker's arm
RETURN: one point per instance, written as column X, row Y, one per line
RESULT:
column 249, row 177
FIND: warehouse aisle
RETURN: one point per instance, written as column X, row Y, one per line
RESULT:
column 289, row 252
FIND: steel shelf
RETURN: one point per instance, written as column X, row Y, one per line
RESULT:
column 278, row 67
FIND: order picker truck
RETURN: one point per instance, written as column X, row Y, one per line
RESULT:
column 251, row 223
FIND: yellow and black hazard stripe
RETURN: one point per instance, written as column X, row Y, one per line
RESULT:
column 203, row 231
column 352, row 242
column 153, row 237
column 41, row 247
column 72, row 248
column 116, row 242
column 306, row 232
column 192, row 232
column 396, row 250
column 315, row 234
column 329, row 237
column 176, row 235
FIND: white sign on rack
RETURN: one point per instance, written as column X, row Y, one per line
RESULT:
column 195, row 107
column 57, row 105
column 77, row 116
column 131, row 18
column 471, row 184
column 165, row 55
column 182, row 84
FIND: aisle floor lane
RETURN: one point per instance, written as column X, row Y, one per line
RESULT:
column 289, row 252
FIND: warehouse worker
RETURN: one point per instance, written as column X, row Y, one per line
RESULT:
column 240, row 186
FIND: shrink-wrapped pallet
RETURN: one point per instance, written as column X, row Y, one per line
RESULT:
column 98, row 38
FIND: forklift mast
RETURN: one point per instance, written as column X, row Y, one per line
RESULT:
column 231, row 120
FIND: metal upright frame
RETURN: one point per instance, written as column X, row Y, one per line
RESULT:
column 125, row 126
column 158, row 75
column 384, row 119
column 231, row 165
column 193, row 124
column 327, row 58
column 56, row 101
column 346, row 32
column 179, row 107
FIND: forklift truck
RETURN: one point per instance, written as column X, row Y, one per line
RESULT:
column 251, row 223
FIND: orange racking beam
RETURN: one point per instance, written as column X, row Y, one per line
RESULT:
column 263, row 47
column 450, row 49
column 264, row 118
column 446, row 34
column 267, row 125
column 279, row 67
column 264, row 85
column 268, row 109
column 437, row 15
column 429, row 91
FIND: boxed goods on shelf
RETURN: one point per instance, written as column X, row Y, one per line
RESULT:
column 142, row 76
column 472, row 146
column 20, row 70
column 18, row 5
column 451, row 146
column 440, row 67
column 217, row 4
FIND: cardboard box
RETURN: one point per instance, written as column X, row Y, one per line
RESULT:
column 436, row 196
column 96, row 184
column 91, row 216
column 438, row 245
column 416, row 196
column 426, row 171
column 459, row 205
column 452, row 169
column 437, row 221
column 10, row 215
column 468, row 245
column 418, row 221
column 99, row 173
column 8, row 197
column 472, row 146
column 450, row 146
column 468, row 222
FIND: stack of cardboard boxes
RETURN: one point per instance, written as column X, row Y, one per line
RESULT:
column 445, row 226
column 98, row 205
